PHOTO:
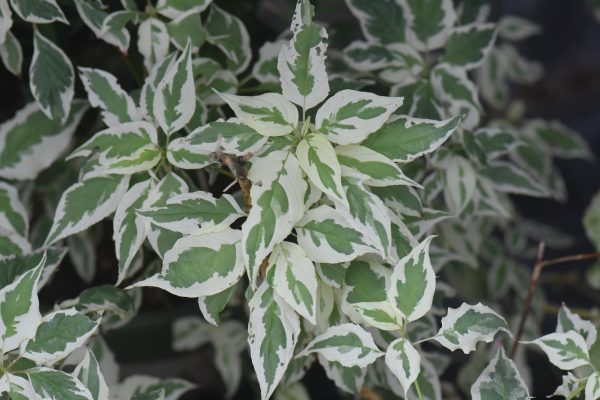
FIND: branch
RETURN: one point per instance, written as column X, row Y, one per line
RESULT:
column 540, row 264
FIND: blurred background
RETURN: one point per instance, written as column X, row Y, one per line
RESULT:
column 568, row 49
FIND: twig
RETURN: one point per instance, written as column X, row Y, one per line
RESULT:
column 540, row 264
column 238, row 169
column 368, row 394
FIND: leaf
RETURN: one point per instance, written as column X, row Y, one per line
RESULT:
column 217, row 252
column 5, row 20
column 189, row 333
column 105, row 92
column 15, row 265
column 512, row 27
column 273, row 331
column 114, row 31
column 469, row 45
column 569, row 321
column 38, row 12
column 301, row 61
column 370, row 167
column 197, row 149
column 142, row 387
column 269, row 114
column 92, row 14
column 348, row 344
column 153, row 41
column 452, row 86
column 592, row 387
column 13, row 215
column 229, row 34
column 277, row 193
column 82, row 253
column 85, row 203
column 51, row 79
column 412, row 284
column 407, row 138
column 368, row 215
column 566, row 350
column 428, row 22
column 59, row 334
column 500, row 379
column 294, row 391
column 123, row 149
column 402, row 200
column 11, row 54
column 175, row 8
column 194, row 212
column 19, row 309
column 460, row 185
column 211, row 306
column 295, row 279
column 105, row 299
column 380, row 21
column 187, row 27
column 129, row 228
column 49, row 384
column 404, row 362
column 365, row 283
column 175, row 97
column 463, row 327
column 563, row 141
column 327, row 238
column 265, row 68
column 508, row 178
column 88, row 372
column 17, row 387
column 348, row 379
column 318, row 160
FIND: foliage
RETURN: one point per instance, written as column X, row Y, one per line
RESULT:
column 364, row 229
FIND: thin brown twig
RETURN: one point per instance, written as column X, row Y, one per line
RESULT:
column 540, row 264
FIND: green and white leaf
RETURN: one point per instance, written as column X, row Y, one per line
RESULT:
column 218, row 254
column 569, row 321
column 328, row 238
column 428, row 22
column 88, row 372
column 82, row 253
column 11, row 54
column 50, row 384
column 5, row 20
column 592, row 387
column 350, row 116
column 85, row 203
column 104, row 92
column 150, row 387
column 500, row 379
column 370, row 167
column 19, row 309
column 129, row 229
column 194, row 212
column 277, row 193
column 462, row 328
column 51, row 78
column 348, row 344
column 412, row 284
column 18, row 388
column 566, row 350
column 269, row 114
column 381, row 21
column 461, row 182
column 265, row 68
column 301, row 61
column 123, row 149
column 512, row 27
column 348, row 379
column 404, row 362
column 508, row 178
column 230, row 35
column 295, row 279
column 175, row 8
column 175, row 98
column 469, row 45
column 563, row 141
column 13, row 215
column 407, row 138
column 30, row 141
column 59, row 334
column 452, row 86
column 318, row 160
column 273, row 330
column 114, row 31
column 153, row 41
column 211, row 306
column 38, row 12
column 187, row 27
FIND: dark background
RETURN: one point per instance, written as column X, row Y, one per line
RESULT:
column 569, row 49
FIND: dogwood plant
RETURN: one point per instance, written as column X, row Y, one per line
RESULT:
column 355, row 220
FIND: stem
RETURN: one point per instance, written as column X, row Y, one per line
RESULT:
column 540, row 264
column 419, row 394
column 368, row 394
column 426, row 339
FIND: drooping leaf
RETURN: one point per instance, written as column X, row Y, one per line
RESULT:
column 404, row 362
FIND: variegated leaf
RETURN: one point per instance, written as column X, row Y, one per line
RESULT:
column 458, row 93
column 348, row 344
column 50, row 384
column 269, row 114
column 89, row 373
column 569, row 321
column 13, row 215
column 273, row 330
column 381, row 21
column 427, row 30
column 153, row 41
column 295, row 279
column 11, row 54
column 404, row 362
column 328, row 238
column 566, row 350
column 500, row 379
column 211, row 306
column 265, row 68
column 175, row 8
column 277, row 193
column 230, row 35
column 218, row 253
column 317, row 158
column 461, row 181
column 301, row 61
column 38, row 12
column 463, row 327
column 592, row 387
column 469, row 45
